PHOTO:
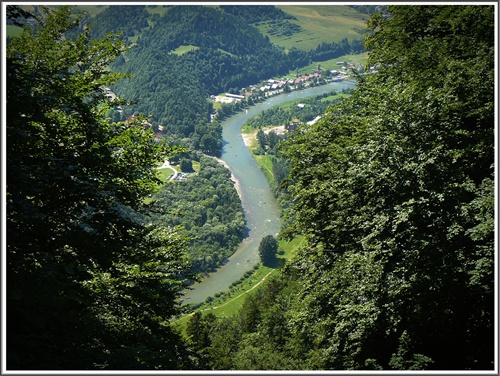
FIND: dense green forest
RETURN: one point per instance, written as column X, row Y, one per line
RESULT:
column 392, row 190
column 130, row 20
column 209, row 210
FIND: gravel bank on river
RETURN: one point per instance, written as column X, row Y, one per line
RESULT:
column 233, row 178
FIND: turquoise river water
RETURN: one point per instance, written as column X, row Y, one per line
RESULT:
column 260, row 206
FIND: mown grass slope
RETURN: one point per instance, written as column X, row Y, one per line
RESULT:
column 226, row 304
column 319, row 23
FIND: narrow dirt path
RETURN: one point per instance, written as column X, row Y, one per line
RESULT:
column 240, row 295
column 166, row 164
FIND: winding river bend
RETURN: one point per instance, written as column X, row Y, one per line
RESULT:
column 259, row 205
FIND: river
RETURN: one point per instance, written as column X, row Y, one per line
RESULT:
column 259, row 205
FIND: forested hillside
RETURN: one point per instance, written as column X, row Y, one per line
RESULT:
column 209, row 210
column 394, row 192
column 130, row 20
column 229, row 54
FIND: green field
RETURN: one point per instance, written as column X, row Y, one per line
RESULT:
column 164, row 173
column 356, row 59
column 156, row 9
column 266, row 165
column 319, row 23
column 92, row 10
column 336, row 96
column 228, row 303
column 181, row 50
column 14, row 31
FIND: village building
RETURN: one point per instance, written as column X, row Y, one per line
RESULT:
column 235, row 96
column 293, row 125
column 146, row 124
column 225, row 98
column 314, row 120
column 109, row 93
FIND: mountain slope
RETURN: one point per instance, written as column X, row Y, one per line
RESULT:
column 318, row 24
column 183, row 54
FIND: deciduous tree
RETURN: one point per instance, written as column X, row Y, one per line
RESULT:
column 268, row 249
column 393, row 190
column 90, row 285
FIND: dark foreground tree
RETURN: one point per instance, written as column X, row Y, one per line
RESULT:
column 268, row 249
column 89, row 284
column 394, row 192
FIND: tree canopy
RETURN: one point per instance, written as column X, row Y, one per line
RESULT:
column 396, row 186
column 89, row 285
column 208, row 209
column 268, row 249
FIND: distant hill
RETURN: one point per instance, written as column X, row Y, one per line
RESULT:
column 220, row 52
column 183, row 54
column 318, row 24
column 131, row 20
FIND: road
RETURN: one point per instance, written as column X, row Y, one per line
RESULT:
column 166, row 164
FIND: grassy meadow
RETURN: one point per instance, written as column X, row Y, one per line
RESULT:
column 228, row 303
column 319, row 23
column 356, row 59
column 13, row 30
column 181, row 50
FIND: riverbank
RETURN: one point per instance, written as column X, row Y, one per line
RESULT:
column 228, row 303
column 259, row 204
column 250, row 138
column 236, row 182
